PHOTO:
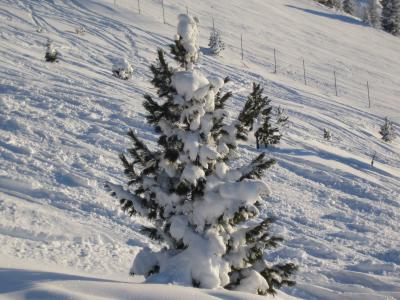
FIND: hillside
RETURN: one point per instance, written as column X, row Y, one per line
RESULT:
column 63, row 125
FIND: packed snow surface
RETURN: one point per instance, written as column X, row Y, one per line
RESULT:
column 63, row 124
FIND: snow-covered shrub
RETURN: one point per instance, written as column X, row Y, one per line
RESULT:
column 282, row 118
column 216, row 43
column 122, row 69
column 51, row 53
column 205, row 214
column 327, row 135
column 80, row 30
column 387, row 131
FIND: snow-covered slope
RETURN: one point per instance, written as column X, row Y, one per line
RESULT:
column 62, row 126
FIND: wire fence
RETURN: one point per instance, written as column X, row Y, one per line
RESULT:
column 339, row 80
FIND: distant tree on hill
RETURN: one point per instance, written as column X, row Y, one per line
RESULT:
column 390, row 18
column 337, row 4
column 349, row 6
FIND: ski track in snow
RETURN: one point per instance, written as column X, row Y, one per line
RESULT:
column 63, row 125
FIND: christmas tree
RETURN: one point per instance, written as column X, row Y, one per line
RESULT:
column 387, row 131
column 205, row 215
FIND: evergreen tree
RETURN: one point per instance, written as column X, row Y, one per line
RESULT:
column 390, row 18
column 216, row 43
column 349, row 6
column 51, row 53
column 329, row 3
column 198, row 206
column 387, row 131
column 268, row 133
column 337, row 4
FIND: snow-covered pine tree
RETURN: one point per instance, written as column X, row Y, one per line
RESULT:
column 390, row 18
column 327, row 135
column 387, row 131
column 349, row 6
column 205, row 214
column 51, row 53
column 258, row 105
column 122, row 69
column 216, row 43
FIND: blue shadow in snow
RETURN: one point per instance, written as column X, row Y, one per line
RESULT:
column 333, row 16
column 12, row 280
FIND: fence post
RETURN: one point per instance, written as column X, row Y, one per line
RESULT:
column 241, row 45
column 369, row 97
column 187, row 10
column 304, row 72
column 163, row 11
column 275, row 66
column 138, row 5
column 334, row 76
column 213, row 23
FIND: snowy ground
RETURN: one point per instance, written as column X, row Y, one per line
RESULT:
column 62, row 126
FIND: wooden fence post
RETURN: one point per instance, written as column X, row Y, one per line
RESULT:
column 334, row 76
column 138, row 5
column 241, row 45
column 304, row 72
column 369, row 97
column 163, row 11
column 275, row 66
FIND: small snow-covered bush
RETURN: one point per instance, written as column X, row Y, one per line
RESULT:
column 216, row 43
column 51, row 53
column 204, row 213
column 122, row 69
column 327, row 135
column 387, row 131
column 80, row 30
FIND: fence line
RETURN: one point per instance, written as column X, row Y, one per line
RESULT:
column 305, row 76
